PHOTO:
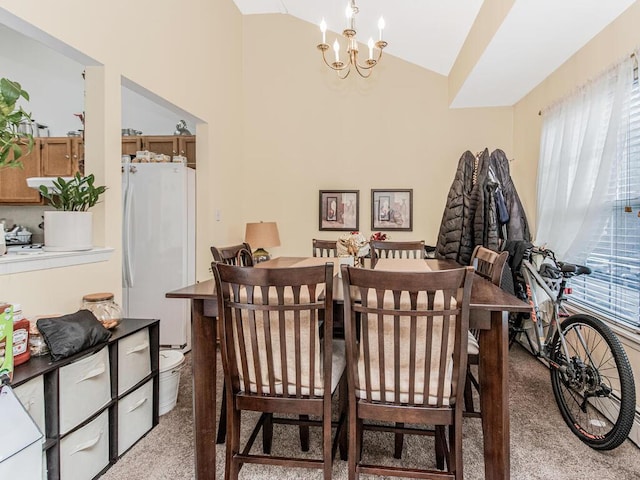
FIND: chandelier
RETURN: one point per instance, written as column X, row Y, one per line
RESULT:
column 344, row 68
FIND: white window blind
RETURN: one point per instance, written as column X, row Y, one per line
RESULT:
column 613, row 289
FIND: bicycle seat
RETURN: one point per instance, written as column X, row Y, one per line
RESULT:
column 574, row 269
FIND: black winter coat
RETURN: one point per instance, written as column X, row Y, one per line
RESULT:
column 517, row 227
column 470, row 216
column 456, row 238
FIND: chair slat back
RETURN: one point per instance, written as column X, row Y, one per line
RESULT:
column 488, row 263
column 324, row 248
column 388, row 249
column 234, row 255
column 273, row 338
column 411, row 343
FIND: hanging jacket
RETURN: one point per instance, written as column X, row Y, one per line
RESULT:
column 517, row 226
column 471, row 215
column 456, row 238
column 486, row 229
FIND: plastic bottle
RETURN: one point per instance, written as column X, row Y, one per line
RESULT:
column 6, row 343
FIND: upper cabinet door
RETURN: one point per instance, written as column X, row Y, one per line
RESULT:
column 130, row 145
column 168, row 145
column 13, row 181
column 57, row 157
column 187, row 148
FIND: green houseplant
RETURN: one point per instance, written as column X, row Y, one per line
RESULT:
column 70, row 226
column 75, row 195
column 12, row 139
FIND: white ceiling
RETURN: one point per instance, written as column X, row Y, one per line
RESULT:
column 535, row 38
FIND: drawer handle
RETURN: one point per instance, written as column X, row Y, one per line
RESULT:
column 138, row 404
column 93, row 373
column 138, row 348
column 88, row 444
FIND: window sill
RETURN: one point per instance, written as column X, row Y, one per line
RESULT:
column 14, row 263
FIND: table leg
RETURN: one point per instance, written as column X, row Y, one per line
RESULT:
column 203, row 345
column 494, row 397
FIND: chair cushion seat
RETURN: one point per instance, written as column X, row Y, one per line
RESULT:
column 473, row 347
column 338, row 364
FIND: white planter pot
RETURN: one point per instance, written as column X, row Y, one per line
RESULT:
column 68, row 231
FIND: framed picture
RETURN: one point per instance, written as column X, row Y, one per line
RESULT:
column 392, row 210
column 339, row 210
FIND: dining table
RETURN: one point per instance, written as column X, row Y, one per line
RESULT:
column 489, row 304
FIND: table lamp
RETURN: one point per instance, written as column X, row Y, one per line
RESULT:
column 264, row 234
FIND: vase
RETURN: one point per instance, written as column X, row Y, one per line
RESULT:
column 67, row 231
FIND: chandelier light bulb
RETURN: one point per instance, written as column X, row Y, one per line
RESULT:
column 323, row 29
column 349, row 11
column 381, row 25
column 336, row 48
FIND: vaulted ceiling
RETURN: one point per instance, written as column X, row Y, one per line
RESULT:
column 496, row 50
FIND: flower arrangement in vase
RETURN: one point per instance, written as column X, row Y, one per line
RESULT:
column 379, row 236
column 354, row 244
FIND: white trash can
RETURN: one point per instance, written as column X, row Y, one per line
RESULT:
column 171, row 362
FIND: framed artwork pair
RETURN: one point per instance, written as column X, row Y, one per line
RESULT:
column 391, row 209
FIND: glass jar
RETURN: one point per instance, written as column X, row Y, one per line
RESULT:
column 104, row 308
column 37, row 345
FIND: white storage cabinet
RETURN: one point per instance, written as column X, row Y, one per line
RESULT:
column 95, row 405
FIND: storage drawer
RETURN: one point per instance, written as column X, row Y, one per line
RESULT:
column 31, row 395
column 85, row 388
column 135, row 416
column 134, row 360
column 85, row 452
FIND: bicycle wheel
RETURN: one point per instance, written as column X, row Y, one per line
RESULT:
column 594, row 387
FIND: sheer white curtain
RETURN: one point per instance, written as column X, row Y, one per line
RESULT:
column 582, row 138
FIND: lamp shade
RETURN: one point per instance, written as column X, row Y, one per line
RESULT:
column 262, row 235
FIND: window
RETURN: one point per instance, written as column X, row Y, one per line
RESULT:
column 613, row 289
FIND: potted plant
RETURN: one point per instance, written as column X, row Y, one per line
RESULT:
column 70, row 226
column 12, row 137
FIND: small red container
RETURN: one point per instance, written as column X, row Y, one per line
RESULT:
column 21, row 352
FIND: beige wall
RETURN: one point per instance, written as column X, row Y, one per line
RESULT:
column 190, row 54
column 305, row 130
column 611, row 45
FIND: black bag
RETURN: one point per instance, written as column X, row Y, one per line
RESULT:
column 501, row 207
column 73, row 333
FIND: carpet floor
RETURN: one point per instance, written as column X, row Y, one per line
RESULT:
column 542, row 447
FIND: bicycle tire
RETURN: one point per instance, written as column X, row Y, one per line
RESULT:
column 603, row 375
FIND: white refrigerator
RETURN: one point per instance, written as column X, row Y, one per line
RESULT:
column 159, row 246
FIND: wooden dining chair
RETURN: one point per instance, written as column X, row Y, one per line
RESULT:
column 324, row 248
column 279, row 358
column 406, row 362
column 234, row 255
column 489, row 265
column 388, row 249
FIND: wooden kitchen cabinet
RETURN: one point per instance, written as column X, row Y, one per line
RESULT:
column 60, row 156
column 187, row 148
column 130, row 145
column 50, row 157
column 13, row 181
column 168, row 145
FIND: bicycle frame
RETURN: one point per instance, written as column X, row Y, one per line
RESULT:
column 544, row 341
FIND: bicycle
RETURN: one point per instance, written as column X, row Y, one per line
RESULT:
column 591, row 375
